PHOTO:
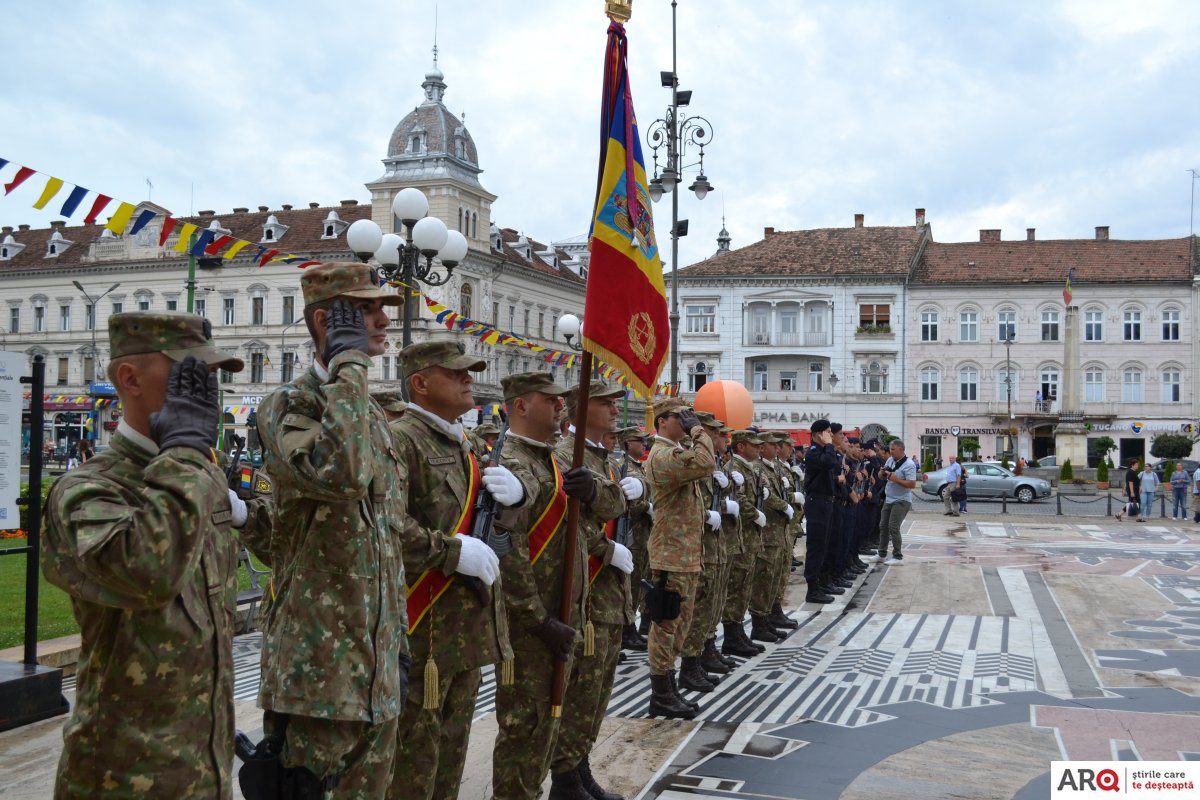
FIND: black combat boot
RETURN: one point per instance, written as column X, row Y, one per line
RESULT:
column 692, row 676
column 663, row 703
column 710, row 659
column 735, row 643
column 760, row 631
column 778, row 619
column 568, row 786
column 692, row 704
column 730, row 664
column 632, row 640
column 761, row 648
column 594, row 789
column 818, row 595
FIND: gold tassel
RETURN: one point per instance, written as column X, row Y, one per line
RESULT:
column 431, row 684
column 508, row 672
column 589, row 639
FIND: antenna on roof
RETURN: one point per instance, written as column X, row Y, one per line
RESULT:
column 435, row 21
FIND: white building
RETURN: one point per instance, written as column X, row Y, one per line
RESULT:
column 507, row 280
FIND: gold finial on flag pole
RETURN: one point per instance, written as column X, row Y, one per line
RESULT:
column 619, row 10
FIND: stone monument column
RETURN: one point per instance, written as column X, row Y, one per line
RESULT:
column 1070, row 438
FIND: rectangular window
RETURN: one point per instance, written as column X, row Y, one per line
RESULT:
column 929, row 326
column 874, row 315
column 931, row 445
column 64, row 318
column 968, row 326
column 697, row 379
column 117, row 308
column 227, row 309
column 495, row 313
column 874, row 382
column 200, row 306
column 289, row 309
column 527, row 322
column 14, row 320
column 1006, row 326
column 143, row 305
column 1093, row 386
column 701, row 318
column 541, row 331
column 64, row 368
column 256, row 367
column 256, row 310
column 387, row 368
column 789, row 322
column 1133, row 325
column 1093, row 326
column 39, row 319
column 89, row 369
column 89, row 317
column 815, row 373
column 1170, row 325
column 226, row 376
column 288, row 369
column 1131, row 385
column 172, row 305
column 787, row 381
column 512, row 318
column 968, row 384
column 1003, row 387
column 929, row 383
column 1050, row 326
column 1171, row 391
column 760, row 377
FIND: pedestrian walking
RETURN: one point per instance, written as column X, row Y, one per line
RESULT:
column 954, row 482
column 1148, row 485
column 1131, row 493
column 901, row 475
column 1180, row 480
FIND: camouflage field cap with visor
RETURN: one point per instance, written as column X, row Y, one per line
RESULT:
column 597, row 390
column 668, row 405
column 447, row 353
column 745, row 437
column 390, row 400
column 175, row 335
column 485, row 429
column 708, row 420
column 630, row 433
column 344, row 279
column 523, row 383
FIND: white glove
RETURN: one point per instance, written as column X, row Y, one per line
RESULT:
column 477, row 560
column 650, row 510
column 721, row 478
column 798, row 470
column 766, row 492
column 622, row 559
column 798, row 497
column 631, row 487
column 761, row 520
column 732, row 508
column 240, row 515
column 786, row 483
column 714, row 520
column 739, row 478
column 789, row 511
column 503, row 486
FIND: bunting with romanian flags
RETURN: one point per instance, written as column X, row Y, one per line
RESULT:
column 625, row 319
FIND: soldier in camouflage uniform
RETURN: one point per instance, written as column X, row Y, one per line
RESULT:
column 772, row 552
column 456, row 625
column 783, row 471
column 140, row 538
column 532, row 578
column 745, row 478
column 674, row 473
column 699, row 655
column 641, row 513
column 609, row 606
column 335, row 658
column 392, row 403
column 482, row 437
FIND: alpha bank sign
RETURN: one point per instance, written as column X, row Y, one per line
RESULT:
column 785, row 417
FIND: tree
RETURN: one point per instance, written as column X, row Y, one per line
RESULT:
column 1171, row 445
column 1102, row 471
column 1066, row 473
column 967, row 444
column 1102, row 444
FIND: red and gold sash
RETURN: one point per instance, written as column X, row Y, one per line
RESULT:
column 433, row 583
column 595, row 564
column 549, row 521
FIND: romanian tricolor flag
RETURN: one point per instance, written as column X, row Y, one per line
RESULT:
column 1067, row 289
column 247, row 477
column 625, row 311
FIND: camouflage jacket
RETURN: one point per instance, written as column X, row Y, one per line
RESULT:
column 712, row 542
column 731, row 524
column 674, row 473
column 461, row 634
column 336, row 629
column 609, row 600
column 142, row 544
column 533, row 591
column 639, row 510
column 773, row 505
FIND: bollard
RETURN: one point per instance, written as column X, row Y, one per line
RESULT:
column 1109, row 504
column 1162, row 505
column 1003, row 504
column 1058, row 502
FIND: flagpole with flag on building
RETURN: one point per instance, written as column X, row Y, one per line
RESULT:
column 625, row 306
column 1067, row 296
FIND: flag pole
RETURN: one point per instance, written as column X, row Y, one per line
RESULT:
column 558, row 688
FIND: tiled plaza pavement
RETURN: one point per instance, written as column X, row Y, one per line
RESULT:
column 1001, row 644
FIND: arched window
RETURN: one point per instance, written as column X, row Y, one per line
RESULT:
column 968, row 384
column 1093, row 385
column 474, row 224
column 1131, row 385
column 930, row 381
column 929, row 325
column 699, row 375
column 461, row 225
column 465, row 296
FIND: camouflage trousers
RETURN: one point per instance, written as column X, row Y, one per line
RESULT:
column 741, row 572
column 360, row 751
column 527, row 733
column 767, row 567
column 710, row 602
column 432, row 747
column 586, row 699
column 667, row 637
column 641, row 558
column 793, row 536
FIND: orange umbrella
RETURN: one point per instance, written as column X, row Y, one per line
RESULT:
column 728, row 401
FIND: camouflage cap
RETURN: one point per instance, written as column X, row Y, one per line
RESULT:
column 709, row 420
column 632, row 432
column 390, row 400
column 448, row 353
column 344, row 279
column 668, row 405
column 525, row 382
column 175, row 335
column 745, row 437
column 596, row 390
column 485, row 429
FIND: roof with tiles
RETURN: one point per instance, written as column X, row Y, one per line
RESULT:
column 513, row 251
column 860, row 250
column 1048, row 261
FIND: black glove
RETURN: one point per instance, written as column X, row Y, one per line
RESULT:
column 558, row 637
column 688, row 419
column 190, row 412
column 580, row 483
column 405, row 666
column 344, row 330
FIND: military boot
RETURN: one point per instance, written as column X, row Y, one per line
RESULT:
column 732, row 663
column 594, row 789
column 710, row 659
column 692, row 704
column 761, row 631
column 692, row 676
column 780, row 620
column 735, row 643
column 762, row 648
column 663, row 703
column 632, row 640
column 568, row 785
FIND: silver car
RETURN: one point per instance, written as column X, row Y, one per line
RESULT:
column 989, row 480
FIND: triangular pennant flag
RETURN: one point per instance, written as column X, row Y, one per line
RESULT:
column 168, row 226
column 185, row 234
column 233, row 251
column 52, row 187
column 22, row 175
column 267, row 256
column 142, row 221
column 206, row 237
column 217, row 244
column 73, row 201
column 97, row 206
column 120, row 219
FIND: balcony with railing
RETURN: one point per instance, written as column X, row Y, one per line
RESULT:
column 788, row 339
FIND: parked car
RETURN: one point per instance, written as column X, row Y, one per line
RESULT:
column 1188, row 465
column 1048, row 461
column 989, row 480
column 251, row 457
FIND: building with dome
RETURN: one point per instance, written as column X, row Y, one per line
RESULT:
column 508, row 279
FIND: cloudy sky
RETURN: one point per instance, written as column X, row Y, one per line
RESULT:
column 1057, row 115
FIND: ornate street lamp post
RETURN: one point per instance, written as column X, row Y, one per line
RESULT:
column 95, row 303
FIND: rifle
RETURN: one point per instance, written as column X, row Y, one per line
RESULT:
column 482, row 527
column 718, row 502
column 623, row 534
column 232, row 476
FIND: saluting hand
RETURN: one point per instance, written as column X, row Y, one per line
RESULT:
column 345, row 329
column 191, row 409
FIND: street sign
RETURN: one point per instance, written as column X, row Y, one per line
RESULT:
column 12, row 366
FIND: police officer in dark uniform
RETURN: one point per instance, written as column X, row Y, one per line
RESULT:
column 820, row 487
